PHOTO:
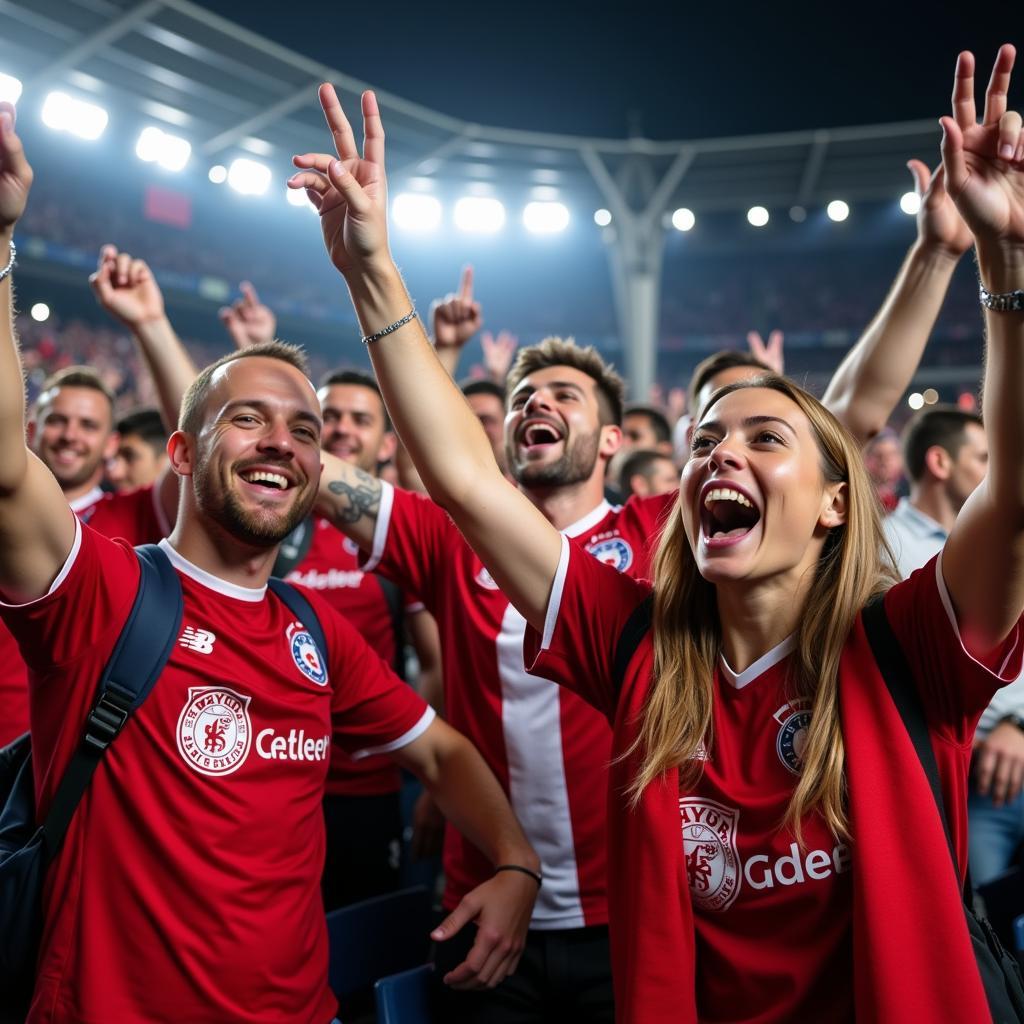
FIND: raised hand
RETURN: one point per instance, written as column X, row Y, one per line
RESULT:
column 769, row 353
column 248, row 320
column 498, row 354
column 15, row 174
column 456, row 318
column 939, row 224
column 984, row 163
column 349, row 191
column 126, row 289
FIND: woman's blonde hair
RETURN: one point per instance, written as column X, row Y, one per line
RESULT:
column 855, row 563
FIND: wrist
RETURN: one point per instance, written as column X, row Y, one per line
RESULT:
column 521, row 856
column 150, row 327
column 1001, row 267
column 379, row 296
column 935, row 255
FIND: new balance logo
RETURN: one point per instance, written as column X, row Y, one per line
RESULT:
column 197, row 640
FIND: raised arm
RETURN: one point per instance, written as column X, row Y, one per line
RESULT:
column 249, row 321
column 37, row 528
column 350, row 498
column 454, row 321
column 876, row 372
column 983, row 561
column 519, row 546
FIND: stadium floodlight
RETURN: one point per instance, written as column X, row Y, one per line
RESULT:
column 545, row 218
column 758, row 216
column 930, row 396
column 218, row 174
column 10, row 88
column 249, row 177
column 64, row 113
column 414, row 211
column 910, row 203
column 837, row 210
column 916, row 400
column 156, row 146
column 683, row 219
column 479, row 214
column 40, row 312
column 602, row 217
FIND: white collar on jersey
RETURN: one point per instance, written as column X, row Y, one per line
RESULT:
column 208, row 580
column 765, row 662
column 589, row 520
column 86, row 500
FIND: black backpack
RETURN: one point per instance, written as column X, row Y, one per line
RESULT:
column 26, row 850
column 1000, row 972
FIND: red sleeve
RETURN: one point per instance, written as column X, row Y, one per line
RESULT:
column 645, row 518
column 133, row 515
column 955, row 686
column 412, row 538
column 588, row 609
column 372, row 710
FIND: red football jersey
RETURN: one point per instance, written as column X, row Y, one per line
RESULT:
column 773, row 922
column 195, row 855
column 136, row 516
column 331, row 567
column 547, row 747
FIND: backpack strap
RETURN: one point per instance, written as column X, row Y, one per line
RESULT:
column 396, row 610
column 146, row 641
column 298, row 604
column 892, row 663
column 637, row 626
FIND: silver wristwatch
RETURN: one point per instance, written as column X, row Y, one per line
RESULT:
column 1007, row 302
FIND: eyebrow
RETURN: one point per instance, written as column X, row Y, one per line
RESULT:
column 255, row 403
column 528, row 389
column 750, row 421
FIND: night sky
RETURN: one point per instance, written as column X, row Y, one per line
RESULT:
column 669, row 70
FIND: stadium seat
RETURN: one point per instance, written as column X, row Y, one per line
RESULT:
column 378, row 937
column 405, row 998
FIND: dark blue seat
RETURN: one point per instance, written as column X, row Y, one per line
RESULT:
column 405, row 998
column 378, row 937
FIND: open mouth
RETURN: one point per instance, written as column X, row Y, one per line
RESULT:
column 539, row 434
column 727, row 515
column 266, row 480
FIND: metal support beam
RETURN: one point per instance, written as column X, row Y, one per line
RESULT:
column 282, row 108
column 812, row 169
column 94, row 43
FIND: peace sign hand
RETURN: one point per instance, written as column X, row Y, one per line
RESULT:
column 349, row 191
column 984, row 163
column 15, row 174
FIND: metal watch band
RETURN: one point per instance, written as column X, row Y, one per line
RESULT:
column 1007, row 302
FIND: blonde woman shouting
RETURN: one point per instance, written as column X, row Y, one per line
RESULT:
column 776, row 854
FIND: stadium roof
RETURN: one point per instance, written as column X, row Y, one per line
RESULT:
column 233, row 92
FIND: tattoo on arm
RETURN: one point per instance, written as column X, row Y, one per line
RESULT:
column 357, row 499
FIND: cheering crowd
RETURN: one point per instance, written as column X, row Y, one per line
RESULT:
column 625, row 649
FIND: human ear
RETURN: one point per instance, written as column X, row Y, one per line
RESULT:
column 179, row 453
column 835, row 505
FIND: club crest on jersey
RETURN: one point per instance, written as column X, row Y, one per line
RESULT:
column 614, row 551
column 214, row 731
column 709, row 847
column 794, row 719
column 305, row 654
column 485, row 579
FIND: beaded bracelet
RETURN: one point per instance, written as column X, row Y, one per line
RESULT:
column 10, row 263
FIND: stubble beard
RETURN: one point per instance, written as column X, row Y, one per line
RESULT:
column 574, row 466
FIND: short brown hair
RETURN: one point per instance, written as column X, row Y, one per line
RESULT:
column 75, row 377
column 565, row 352
column 943, row 426
column 716, row 364
column 194, row 402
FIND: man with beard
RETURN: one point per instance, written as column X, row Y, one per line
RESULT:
column 548, row 748
column 201, row 832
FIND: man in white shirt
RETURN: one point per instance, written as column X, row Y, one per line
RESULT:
column 946, row 457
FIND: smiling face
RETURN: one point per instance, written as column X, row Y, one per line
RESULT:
column 355, row 427
column 553, row 431
column 255, row 462
column 73, row 435
column 755, row 501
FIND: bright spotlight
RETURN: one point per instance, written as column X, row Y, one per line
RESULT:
column 64, row 113
column 249, row 177
column 40, row 312
column 602, row 218
column 10, row 88
column 910, row 203
column 157, row 146
column 758, row 216
column 218, row 174
column 479, row 214
column 545, row 218
column 413, row 211
column 683, row 219
column 930, row 396
column 916, row 400
column 837, row 210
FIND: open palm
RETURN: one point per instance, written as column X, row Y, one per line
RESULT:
column 348, row 190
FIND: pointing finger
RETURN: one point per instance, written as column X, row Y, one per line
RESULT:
column 466, row 284
column 344, row 140
column 963, row 91
column 999, row 84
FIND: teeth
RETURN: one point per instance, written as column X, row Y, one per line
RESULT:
column 531, row 432
column 725, row 494
column 263, row 477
